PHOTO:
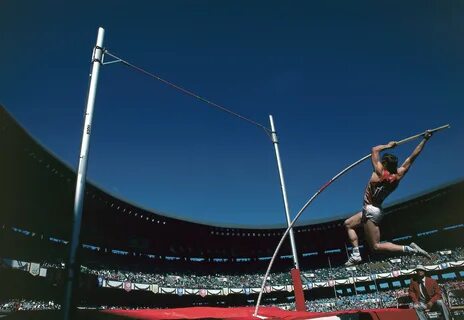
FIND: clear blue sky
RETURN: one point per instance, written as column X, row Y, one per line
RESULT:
column 339, row 77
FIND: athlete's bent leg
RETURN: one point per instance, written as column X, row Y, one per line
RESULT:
column 350, row 225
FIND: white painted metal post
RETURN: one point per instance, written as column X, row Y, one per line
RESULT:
column 284, row 191
column 73, row 266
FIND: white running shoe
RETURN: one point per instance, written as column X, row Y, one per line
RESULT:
column 420, row 251
column 353, row 260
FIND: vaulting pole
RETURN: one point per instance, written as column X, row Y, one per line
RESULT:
column 338, row 175
column 73, row 266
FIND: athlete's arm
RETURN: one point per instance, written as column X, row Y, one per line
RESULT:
column 409, row 160
column 375, row 156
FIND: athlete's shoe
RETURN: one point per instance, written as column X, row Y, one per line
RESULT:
column 420, row 251
column 353, row 260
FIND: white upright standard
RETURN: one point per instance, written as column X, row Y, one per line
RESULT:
column 73, row 266
column 275, row 141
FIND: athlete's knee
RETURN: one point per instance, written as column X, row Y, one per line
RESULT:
column 375, row 246
column 347, row 224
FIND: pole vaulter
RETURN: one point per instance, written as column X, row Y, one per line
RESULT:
column 354, row 164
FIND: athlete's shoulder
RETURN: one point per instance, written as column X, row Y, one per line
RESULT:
column 375, row 178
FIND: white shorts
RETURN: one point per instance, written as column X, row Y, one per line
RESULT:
column 372, row 213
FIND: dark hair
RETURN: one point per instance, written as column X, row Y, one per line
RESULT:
column 390, row 162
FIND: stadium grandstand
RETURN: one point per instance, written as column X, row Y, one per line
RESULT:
column 134, row 258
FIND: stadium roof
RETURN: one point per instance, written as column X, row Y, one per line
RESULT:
column 37, row 193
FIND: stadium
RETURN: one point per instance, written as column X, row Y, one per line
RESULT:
column 142, row 264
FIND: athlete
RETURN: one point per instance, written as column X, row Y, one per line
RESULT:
column 384, row 180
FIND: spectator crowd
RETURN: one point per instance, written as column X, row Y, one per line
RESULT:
column 27, row 305
column 250, row 280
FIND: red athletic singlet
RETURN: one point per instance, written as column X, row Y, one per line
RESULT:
column 376, row 192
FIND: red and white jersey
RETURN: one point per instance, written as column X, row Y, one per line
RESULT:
column 377, row 191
